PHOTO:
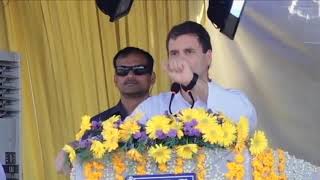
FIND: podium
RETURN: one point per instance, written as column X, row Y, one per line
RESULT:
column 215, row 167
column 207, row 146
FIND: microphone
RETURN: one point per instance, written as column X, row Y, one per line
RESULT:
column 175, row 88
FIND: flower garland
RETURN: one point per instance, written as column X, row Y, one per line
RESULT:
column 179, row 165
column 282, row 164
column 186, row 133
column 201, row 170
column 94, row 170
column 163, row 167
column 135, row 155
column 71, row 152
column 119, row 166
column 141, row 167
column 161, row 155
column 263, row 165
column 236, row 169
column 85, row 125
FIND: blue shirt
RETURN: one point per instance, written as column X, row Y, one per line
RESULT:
column 233, row 103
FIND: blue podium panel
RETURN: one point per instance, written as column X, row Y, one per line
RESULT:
column 184, row 176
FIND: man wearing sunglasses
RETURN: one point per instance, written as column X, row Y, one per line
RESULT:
column 134, row 78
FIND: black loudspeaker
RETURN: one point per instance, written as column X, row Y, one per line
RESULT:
column 114, row 8
column 218, row 11
column 225, row 15
column 230, row 26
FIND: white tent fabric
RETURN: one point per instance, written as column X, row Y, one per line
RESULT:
column 275, row 59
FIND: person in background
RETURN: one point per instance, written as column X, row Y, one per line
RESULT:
column 134, row 78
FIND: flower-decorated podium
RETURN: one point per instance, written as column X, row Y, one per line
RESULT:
column 194, row 143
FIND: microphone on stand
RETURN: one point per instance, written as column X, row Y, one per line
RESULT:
column 175, row 88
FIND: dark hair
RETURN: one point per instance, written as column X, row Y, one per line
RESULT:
column 190, row 27
column 133, row 50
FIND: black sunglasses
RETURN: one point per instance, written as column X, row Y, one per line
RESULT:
column 137, row 70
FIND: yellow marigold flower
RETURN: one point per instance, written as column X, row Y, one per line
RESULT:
column 71, row 152
column 124, row 136
column 205, row 120
column 128, row 128
column 141, row 169
column 156, row 123
column 186, row 151
column 235, row 171
column 179, row 165
column 201, row 170
column 79, row 135
column 98, row 149
column 119, row 166
column 176, row 125
column 229, row 134
column 163, row 167
column 111, row 132
column 189, row 114
column 93, row 170
column 240, row 146
column 256, row 164
column 109, row 123
column 85, row 125
column 281, row 164
column 161, row 154
column 258, row 143
column 239, row 158
column 110, row 146
column 212, row 134
column 134, row 154
column 111, row 137
column 243, row 128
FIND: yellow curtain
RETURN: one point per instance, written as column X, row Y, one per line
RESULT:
column 66, row 50
column 3, row 31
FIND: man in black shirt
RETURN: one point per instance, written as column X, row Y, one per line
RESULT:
column 134, row 78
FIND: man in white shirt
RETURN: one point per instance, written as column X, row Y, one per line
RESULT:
column 189, row 58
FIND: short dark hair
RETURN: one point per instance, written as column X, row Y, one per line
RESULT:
column 190, row 27
column 133, row 50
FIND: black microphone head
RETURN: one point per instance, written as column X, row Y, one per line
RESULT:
column 175, row 88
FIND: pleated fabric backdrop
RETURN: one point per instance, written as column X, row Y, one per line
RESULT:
column 66, row 52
